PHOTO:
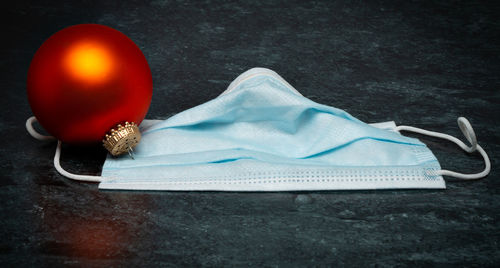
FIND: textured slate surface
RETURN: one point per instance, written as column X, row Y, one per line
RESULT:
column 417, row 63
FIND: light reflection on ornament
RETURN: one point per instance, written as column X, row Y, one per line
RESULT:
column 90, row 62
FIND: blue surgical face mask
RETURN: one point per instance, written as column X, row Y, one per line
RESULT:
column 261, row 134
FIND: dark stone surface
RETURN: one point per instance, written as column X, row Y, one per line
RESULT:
column 415, row 62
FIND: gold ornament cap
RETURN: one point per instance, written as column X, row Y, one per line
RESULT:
column 122, row 139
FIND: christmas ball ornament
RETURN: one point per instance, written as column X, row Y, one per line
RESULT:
column 89, row 83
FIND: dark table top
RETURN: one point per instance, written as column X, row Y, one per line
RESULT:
column 418, row 63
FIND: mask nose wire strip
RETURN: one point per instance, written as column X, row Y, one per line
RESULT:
column 469, row 134
column 57, row 156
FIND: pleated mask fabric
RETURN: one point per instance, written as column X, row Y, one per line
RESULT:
column 261, row 134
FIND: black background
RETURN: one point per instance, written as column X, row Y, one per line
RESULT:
column 415, row 62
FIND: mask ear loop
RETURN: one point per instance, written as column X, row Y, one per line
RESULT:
column 57, row 156
column 470, row 135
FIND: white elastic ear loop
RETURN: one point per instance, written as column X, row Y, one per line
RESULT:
column 470, row 135
column 57, row 156
column 33, row 133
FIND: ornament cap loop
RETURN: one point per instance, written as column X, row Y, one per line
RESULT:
column 122, row 138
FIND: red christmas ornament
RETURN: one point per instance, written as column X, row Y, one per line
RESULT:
column 86, row 79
